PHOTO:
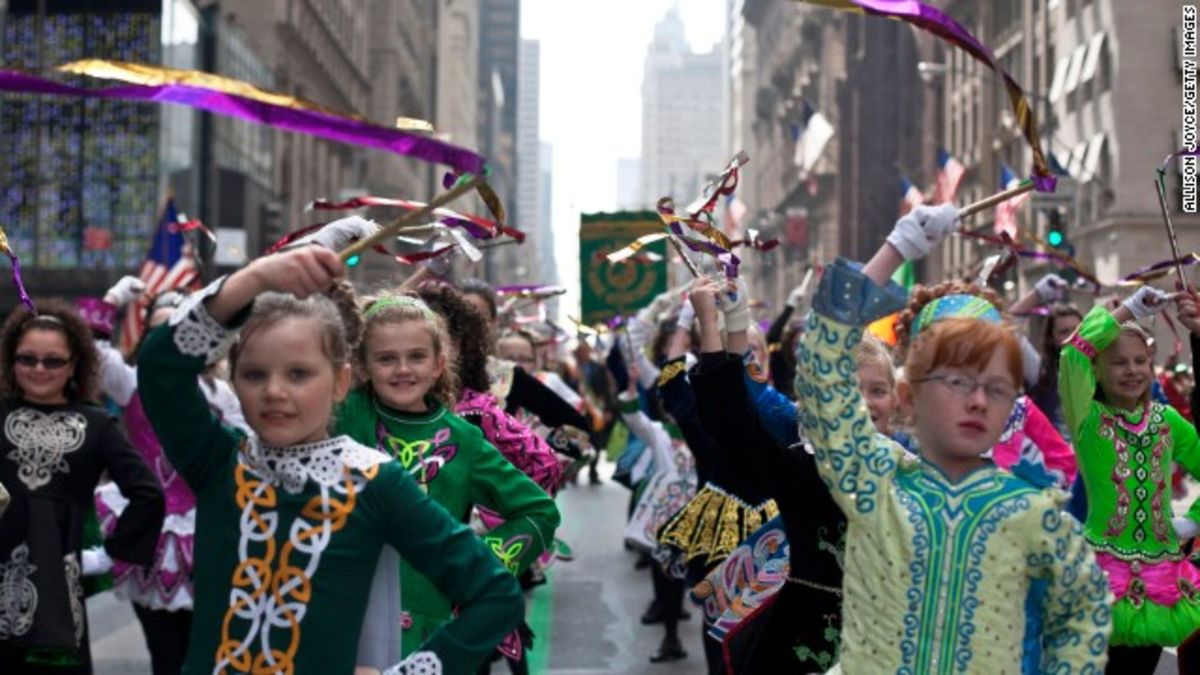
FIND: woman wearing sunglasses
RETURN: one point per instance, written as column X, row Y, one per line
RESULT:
column 56, row 443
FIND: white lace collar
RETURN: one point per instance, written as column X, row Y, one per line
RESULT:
column 322, row 462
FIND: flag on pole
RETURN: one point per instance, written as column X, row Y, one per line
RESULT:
column 168, row 265
column 950, row 174
column 1006, row 212
column 910, row 196
column 814, row 135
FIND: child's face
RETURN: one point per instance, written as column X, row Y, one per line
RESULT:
column 42, row 366
column 954, row 426
column 286, row 384
column 1124, row 371
column 875, row 382
column 402, row 364
column 519, row 351
column 758, row 346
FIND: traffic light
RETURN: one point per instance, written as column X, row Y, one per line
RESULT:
column 1056, row 229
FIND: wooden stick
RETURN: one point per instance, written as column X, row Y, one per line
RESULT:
column 1159, row 184
column 686, row 260
column 407, row 219
column 988, row 202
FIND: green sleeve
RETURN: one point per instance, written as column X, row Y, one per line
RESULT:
column 170, row 361
column 530, row 516
column 1076, row 377
column 852, row 461
column 426, row 536
column 1076, row 620
column 1185, row 451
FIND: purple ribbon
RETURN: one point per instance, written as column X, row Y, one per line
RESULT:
column 309, row 122
column 20, row 283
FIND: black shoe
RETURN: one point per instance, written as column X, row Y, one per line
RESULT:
column 652, row 615
column 593, row 477
column 669, row 650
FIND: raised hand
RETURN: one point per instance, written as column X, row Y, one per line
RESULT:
column 340, row 233
column 1051, row 288
column 127, row 290
column 1187, row 305
column 915, row 235
column 1146, row 301
column 703, row 296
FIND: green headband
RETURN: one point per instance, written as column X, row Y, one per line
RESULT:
column 399, row 301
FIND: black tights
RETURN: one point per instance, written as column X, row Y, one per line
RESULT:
column 166, row 637
column 668, row 593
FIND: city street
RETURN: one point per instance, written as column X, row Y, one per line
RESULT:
column 587, row 613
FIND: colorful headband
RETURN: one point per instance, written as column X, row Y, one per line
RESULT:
column 399, row 301
column 957, row 306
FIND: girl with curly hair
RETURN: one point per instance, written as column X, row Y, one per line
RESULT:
column 404, row 407
column 57, row 443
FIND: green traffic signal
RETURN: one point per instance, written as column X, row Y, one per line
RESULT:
column 1055, row 238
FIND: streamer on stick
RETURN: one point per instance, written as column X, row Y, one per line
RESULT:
column 419, row 216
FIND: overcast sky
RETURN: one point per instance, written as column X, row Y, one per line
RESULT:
column 591, row 105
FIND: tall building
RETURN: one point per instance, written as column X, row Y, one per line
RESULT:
column 85, row 180
column 499, row 39
column 456, row 115
column 529, row 176
column 683, row 115
column 547, row 263
column 1105, row 85
column 237, row 158
column 318, row 53
column 629, row 172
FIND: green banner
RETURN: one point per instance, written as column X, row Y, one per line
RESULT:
column 609, row 289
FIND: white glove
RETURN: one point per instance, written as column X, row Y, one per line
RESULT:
column 795, row 299
column 1051, row 288
column 687, row 316
column 126, row 290
column 95, row 561
column 915, row 235
column 1185, row 528
column 736, row 309
column 1147, row 301
column 337, row 235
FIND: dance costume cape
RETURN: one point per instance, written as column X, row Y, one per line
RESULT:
column 450, row 460
column 287, row 538
column 938, row 572
column 1126, row 459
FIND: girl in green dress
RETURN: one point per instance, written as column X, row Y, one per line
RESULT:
column 290, row 521
column 405, row 409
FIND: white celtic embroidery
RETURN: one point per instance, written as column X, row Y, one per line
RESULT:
column 271, row 596
column 40, row 440
column 322, row 462
column 18, row 595
column 74, row 593
column 420, row 663
column 196, row 332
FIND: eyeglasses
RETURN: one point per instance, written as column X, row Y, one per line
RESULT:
column 48, row 362
column 965, row 386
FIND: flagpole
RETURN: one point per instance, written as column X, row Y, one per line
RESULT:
column 409, row 218
column 988, row 202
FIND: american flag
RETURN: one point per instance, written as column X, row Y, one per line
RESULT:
column 168, row 264
column 910, row 196
column 950, row 174
column 1006, row 212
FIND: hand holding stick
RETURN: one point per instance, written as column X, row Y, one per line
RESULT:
column 418, row 216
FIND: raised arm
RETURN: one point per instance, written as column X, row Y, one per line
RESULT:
column 135, row 537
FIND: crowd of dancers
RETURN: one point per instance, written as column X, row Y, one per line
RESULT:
column 293, row 475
